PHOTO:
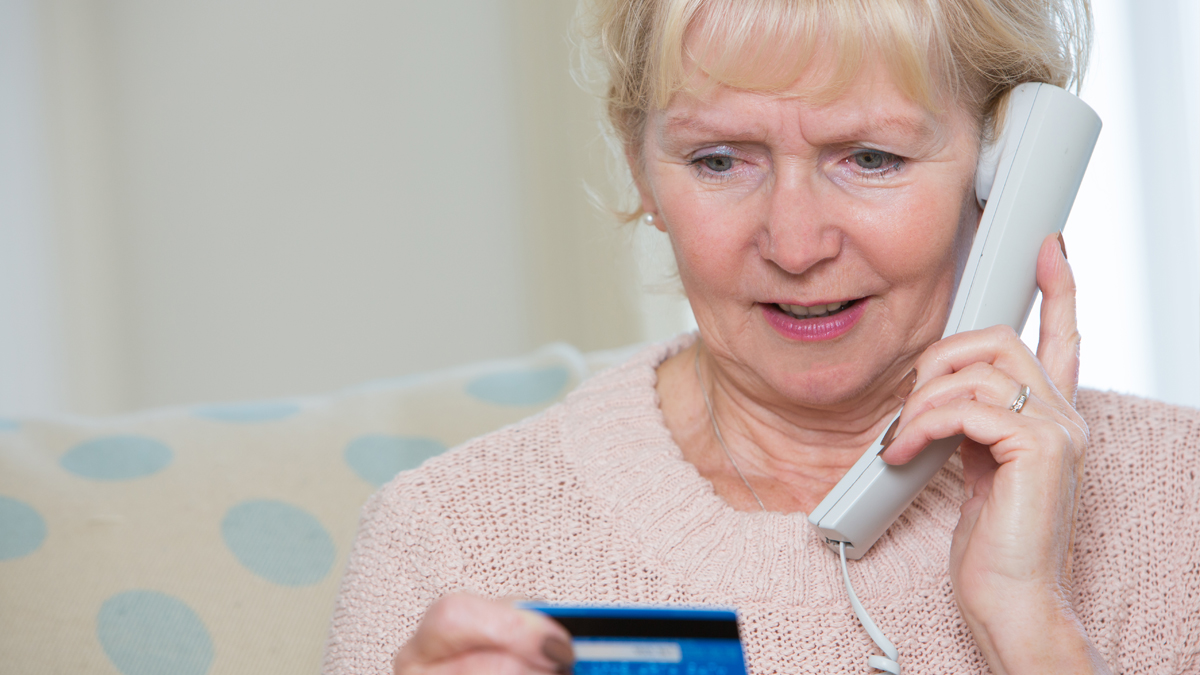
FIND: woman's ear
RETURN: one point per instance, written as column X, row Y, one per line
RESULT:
column 648, row 205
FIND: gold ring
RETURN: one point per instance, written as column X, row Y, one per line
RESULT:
column 1021, row 399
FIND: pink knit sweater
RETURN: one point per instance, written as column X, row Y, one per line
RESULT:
column 592, row 502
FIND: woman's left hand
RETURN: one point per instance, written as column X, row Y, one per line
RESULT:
column 1010, row 560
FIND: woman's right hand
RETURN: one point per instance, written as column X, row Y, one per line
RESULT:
column 463, row 634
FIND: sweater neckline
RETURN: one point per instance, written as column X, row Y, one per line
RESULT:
column 630, row 462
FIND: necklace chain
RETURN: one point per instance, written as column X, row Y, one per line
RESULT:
column 717, row 431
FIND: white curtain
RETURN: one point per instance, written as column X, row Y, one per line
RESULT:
column 1134, row 233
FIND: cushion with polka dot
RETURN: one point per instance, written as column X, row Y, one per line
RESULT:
column 210, row 539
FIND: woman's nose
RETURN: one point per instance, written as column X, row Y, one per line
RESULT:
column 799, row 233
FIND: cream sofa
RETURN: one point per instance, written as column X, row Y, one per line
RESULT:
column 211, row 539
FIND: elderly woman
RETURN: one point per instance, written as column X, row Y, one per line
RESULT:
column 812, row 162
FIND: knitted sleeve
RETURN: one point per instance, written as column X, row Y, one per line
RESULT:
column 1184, row 604
column 1138, row 533
column 403, row 560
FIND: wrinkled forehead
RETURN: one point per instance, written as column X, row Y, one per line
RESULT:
column 768, row 46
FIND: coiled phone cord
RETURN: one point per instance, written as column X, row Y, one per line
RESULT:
column 890, row 662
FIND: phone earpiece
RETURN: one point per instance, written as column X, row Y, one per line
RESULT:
column 985, row 172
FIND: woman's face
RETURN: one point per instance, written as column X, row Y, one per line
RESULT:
column 861, row 210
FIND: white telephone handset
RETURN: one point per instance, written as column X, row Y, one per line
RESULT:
column 1027, row 182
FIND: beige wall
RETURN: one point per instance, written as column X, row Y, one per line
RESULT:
column 258, row 198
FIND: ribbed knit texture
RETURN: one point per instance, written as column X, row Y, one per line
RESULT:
column 592, row 502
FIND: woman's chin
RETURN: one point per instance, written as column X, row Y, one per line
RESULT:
column 833, row 386
column 837, row 363
column 844, row 387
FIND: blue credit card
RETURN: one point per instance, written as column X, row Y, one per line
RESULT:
column 650, row 640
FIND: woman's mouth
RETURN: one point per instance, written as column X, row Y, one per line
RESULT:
column 814, row 323
column 814, row 311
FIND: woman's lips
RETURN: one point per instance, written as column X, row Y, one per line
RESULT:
column 814, row 329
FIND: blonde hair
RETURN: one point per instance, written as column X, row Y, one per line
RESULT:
column 967, row 52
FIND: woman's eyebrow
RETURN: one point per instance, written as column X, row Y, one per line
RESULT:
column 690, row 123
column 919, row 130
column 686, row 122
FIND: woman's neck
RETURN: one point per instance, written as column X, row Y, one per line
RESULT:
column 790, row 455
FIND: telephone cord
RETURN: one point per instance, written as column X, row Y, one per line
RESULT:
column 890, row 663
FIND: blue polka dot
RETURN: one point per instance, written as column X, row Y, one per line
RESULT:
column 22, row 529
column 377, row 458
column 9, row 425
column 258, row 411
column 117, row 458
column 152, row 633
column 278, row 542
column 519, row 387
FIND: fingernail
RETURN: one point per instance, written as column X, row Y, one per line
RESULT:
column 1062, row 244
column 906, row 386
column 891, row 434
column 559, row 651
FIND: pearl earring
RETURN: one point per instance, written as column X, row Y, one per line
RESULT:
column 648, row 219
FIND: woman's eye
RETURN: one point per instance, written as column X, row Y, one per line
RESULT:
column 717, row 163
column 875, row 161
